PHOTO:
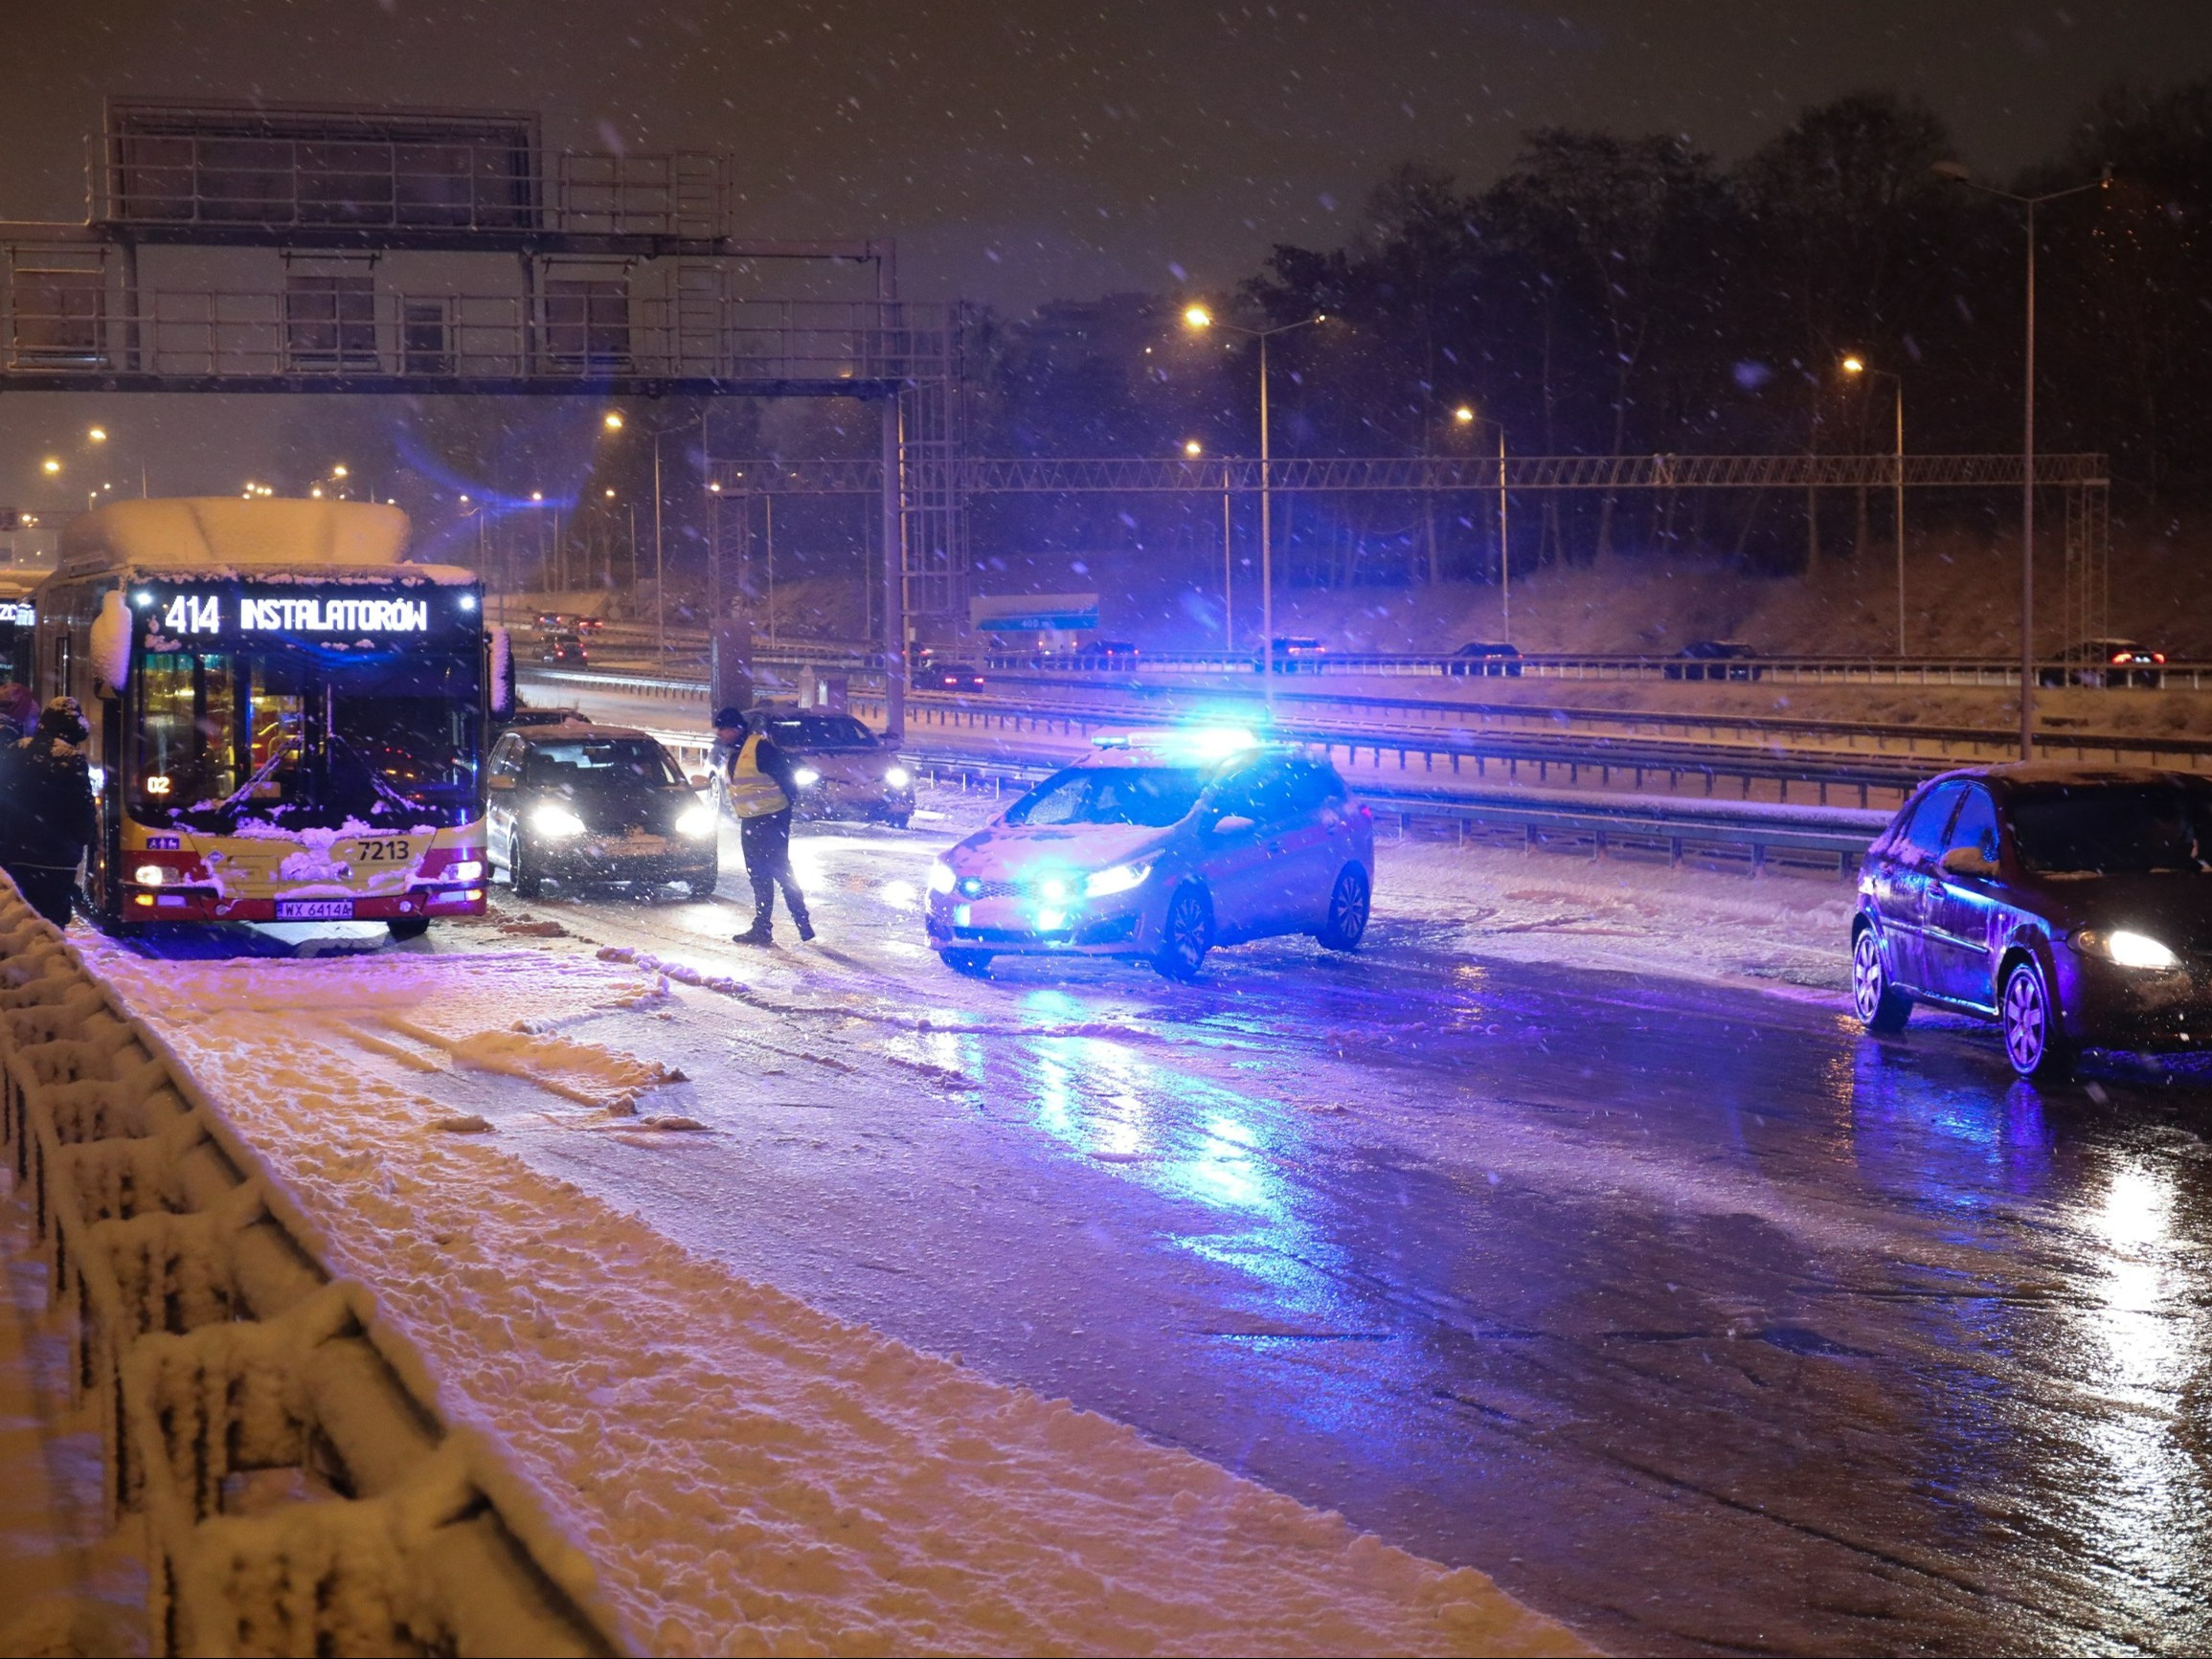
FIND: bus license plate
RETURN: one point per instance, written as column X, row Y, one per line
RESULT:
column 314, row 909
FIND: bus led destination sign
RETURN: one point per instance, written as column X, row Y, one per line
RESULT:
column 196, row 616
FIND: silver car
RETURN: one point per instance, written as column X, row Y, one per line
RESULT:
column 843, row 769
column 1159, row 846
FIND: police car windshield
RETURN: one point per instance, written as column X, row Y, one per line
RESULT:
column 598, row 763
column 2109, row 830
column 1153, row 796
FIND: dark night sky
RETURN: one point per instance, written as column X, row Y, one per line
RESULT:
column 1021, row 151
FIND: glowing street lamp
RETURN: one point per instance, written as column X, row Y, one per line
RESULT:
column 50, row 466
column 1464, row 415
column 97, row 435
column 1856, row 367
column 612, row 420
column 1199, row 319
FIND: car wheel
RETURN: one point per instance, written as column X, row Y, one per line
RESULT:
column 898, row 821
column 1350, row 903
column 528, row 883
column 1188, row 934
column 702, row 883
column 974, row 964
column 1882, row 1006
column 2033, row 1042
column 404, row 928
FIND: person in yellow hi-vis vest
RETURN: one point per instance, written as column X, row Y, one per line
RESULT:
column 760, row 789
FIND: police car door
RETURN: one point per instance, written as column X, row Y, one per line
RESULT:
column 1247, row 866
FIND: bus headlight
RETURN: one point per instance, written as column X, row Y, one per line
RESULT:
column 467, row 870
column 556, row 821
column 1102, row 883
column 940, row 877
column 696, row 820
column 2124, row 948
column 898, row 777
column 149, row 875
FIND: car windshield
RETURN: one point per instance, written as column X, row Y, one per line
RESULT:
column 1153, row 796
column 820, row 731
column 2113, row 830
column 602, row 763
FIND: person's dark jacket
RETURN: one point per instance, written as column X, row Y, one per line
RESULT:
column 46, row 813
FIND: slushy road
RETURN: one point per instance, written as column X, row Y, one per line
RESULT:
column 1698, row 1318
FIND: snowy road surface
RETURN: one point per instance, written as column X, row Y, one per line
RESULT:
column 1694, row 1317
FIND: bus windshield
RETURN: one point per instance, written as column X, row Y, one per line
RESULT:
column 307, row 738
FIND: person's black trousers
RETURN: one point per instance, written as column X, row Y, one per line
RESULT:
column 767, row 844
column 46, row 890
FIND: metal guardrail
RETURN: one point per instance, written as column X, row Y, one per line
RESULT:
column 1637, row 829
column 1963, row 671
column 216, row 1349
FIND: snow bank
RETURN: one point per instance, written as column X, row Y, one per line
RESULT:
column 111, row 641
column 238, row 1385
column 750, row 1474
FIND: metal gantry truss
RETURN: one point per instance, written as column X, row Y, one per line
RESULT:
column 946, row 481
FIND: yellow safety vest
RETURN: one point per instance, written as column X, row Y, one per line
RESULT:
column 753, row 793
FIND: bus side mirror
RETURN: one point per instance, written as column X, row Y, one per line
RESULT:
column 1234, row 824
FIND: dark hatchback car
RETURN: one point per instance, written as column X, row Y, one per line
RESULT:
column 592, row 804
column 2071, row 905
column 1490, row 657
column 932, row 676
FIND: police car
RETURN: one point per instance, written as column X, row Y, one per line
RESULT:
column 1158, row 847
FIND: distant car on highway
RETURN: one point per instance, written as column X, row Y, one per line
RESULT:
column 562, row 647
column 932, row 676
column 2071, row 905
column 1115, row 650
column 1488, row 658
column 2109, row 664
column 1291, row 650
column 843, row 769
column 594, row 805
column 1715, row 659
column 1159, row 846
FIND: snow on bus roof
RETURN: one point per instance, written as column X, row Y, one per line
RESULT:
column 231, row 535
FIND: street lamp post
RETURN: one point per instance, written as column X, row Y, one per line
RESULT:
column 1958, row 175
column 1465, row 416
column 1192, row 449
column 613, row 421
column 1855, row 366
column 1198, row 317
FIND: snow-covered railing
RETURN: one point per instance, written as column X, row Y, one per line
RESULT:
column 301, row 1490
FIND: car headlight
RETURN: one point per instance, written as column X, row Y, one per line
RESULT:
column 898, row 777
column 2124, row 948
column 942, row 877
column 806, row 777
column 696, row 820
column 1100, row 884
column 556, row 821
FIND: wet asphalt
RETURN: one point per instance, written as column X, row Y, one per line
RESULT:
column 1696, row 1317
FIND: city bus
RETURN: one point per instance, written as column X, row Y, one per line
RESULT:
column 288, row 720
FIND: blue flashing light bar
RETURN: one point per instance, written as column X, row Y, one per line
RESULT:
column 1198, row 742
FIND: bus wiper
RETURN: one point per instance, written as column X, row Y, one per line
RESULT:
column 391, row 796
column 277, row 757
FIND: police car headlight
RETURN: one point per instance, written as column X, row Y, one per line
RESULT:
column 556, row 821
column 1102, row 883
column 2124, row 948
column 940, row 877
column 696, row 820
column 898, row 777
column 806, row 777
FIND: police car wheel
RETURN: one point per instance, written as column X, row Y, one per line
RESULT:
column 1186, row 935
column 973, row 963
column 1350, row 901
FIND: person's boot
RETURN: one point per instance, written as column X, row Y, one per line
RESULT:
column 759, row 934
column 805, row 929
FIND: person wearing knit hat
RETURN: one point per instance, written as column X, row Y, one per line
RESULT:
column 47, row 818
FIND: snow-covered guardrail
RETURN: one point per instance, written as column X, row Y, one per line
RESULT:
column 301, row 1490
